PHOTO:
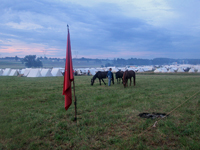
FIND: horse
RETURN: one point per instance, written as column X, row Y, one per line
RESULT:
column 100, row 75
column 128, row 75
column 119, row 75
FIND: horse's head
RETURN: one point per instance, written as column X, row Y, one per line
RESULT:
column 124, row 82
column 92, row 81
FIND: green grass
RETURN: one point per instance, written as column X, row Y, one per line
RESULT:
column 33, row 115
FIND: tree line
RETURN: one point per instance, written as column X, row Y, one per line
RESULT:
column 33, row 61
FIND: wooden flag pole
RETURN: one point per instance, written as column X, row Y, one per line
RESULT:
column 75, row 117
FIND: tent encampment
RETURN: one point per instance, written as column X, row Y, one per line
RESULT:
column 56, row 72
column 191, row 70
column 157, row 70
column 14, row 72
column 1, row 72
column 6, row 72
column 46, row 73
column 171, row 70
column 180, row 70
column 34, row 73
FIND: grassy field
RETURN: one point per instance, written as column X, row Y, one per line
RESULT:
column 33, row 114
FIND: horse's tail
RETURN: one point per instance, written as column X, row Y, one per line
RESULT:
column 134, row 76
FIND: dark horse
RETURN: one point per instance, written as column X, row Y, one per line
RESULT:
column 100, row 75
column 128, row 75
column 119, row 75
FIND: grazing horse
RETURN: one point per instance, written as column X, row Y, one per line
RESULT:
column 128, row 75
column 119, row 75
column 100, row 75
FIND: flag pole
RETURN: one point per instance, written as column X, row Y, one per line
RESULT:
column 75, row 117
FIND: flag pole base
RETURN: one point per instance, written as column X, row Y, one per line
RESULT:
column 75, row 119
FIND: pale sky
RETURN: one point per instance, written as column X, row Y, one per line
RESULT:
column 101, row 28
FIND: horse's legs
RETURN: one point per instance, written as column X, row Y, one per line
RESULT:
column 100, row 81
column 117, row 80
column 103, row 81
column 134, row 80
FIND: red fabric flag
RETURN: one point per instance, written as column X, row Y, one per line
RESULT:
column 68, row 76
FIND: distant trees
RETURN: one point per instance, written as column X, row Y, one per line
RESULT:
column 16, row 58
column 31, row 61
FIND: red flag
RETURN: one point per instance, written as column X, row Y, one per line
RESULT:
column 68, row 76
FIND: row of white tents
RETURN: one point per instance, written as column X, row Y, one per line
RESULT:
column 29, row 72
column 163, row 69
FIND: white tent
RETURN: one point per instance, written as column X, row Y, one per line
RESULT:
column 180, row 70
column 157, row 70
column 56, row 72
column 140, row 70
column 34, row 73
column 102, row 69
column 114, row 69
column 145, row 69
column 191, row 70
column 6, row 72
column 46, row 73
column 26, row 72
column 22, row 71
column 163, row 70
column 13, row 72
column 171, row 71
column 93, row 71
column 134, row 69
column 122, row 69
column 198, row 71
column 1, row 72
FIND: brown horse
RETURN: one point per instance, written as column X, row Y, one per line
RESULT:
column 128, row 75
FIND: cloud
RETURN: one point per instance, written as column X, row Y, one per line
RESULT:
column 118, row 28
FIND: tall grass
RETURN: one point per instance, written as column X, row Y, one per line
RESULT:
column 33, row 114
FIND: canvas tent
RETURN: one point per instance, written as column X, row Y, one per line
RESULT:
column 171, row 71
column 180, row 70
column 6, row 72
column 191, row 70
column 163, row 70
column 157, row 70
column 56, row 72
column 114, row 69
column 14, row 72
column 26, row 72
column 34, row 73
column 140, row 70
column 1, row 72
column 93, row 71
column 22, row 71
column 46, row 73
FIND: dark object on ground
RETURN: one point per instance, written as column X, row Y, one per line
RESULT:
column 153, row 115
column 100, row 75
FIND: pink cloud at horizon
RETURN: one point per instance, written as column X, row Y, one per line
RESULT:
column 21, row 49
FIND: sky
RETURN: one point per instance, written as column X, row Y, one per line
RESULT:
column 104, row 29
